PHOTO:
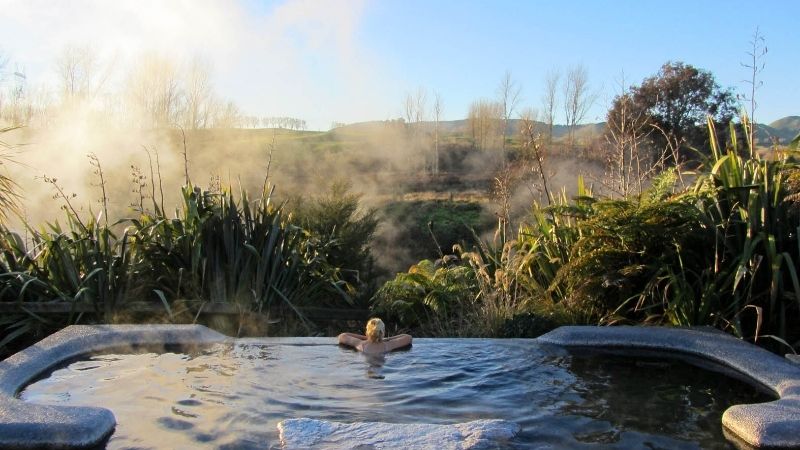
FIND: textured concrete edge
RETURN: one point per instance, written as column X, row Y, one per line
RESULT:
column 28, row 425
column 772, row 425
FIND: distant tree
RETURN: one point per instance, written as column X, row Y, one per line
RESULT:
column 675, row 102
column 484, row 119
column 577, row 99
column 154, row 90
column 228, row 116
column 508, row 95
column 549, row 101
column 414, row 110
column 414, row 106
column 77, row 71
column 198, row 95
column 438, row 108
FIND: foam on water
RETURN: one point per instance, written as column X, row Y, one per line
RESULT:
column 323, row 434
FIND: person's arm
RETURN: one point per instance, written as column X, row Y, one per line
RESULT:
column 351, row 339
column 399, row 341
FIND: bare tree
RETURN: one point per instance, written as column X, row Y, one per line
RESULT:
column 484, row 118
column 408, row 109
column 508, row 94
column 414, row 106
column 550, row 101
column 629, row 160
column 198, row 95
column 577, row 99
column 438, row 107
column 420, row 104
column 81, row 74
column 228, row 116
column 154, row 91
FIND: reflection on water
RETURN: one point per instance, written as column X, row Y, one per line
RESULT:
column 233, row 396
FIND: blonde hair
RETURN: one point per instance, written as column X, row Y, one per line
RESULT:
column 375, row 330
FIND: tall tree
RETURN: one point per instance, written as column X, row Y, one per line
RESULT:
column 508, row 95
column 154, row 90
column 198, row 95
column 438, row 108
column 629, row 162
column 414, row 111
column 550, row 101
column 80, row 73
column 577, row 99
column 676, row 102
column 484, row 118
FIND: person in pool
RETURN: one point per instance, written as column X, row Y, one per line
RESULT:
column 375, row 342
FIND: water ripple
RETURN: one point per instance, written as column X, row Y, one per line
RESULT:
column 233, row 396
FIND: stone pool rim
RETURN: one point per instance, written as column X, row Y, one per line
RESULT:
column 773, row 424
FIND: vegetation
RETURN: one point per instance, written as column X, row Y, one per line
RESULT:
column 671, row 108
column 721, row 252
column 431, row 228
column 337, row 218
column 219, row 248
column 651, row 244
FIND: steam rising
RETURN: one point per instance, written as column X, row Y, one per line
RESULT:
column 128, row 78
column 279, row 51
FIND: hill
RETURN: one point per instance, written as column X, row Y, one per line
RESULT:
column 784, row 129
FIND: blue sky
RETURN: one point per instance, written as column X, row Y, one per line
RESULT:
column 355, row 60
column 463, row 47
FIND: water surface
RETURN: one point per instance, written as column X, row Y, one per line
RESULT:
column 233, row 396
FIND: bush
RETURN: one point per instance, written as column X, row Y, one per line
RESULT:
column 338, row 219
column 433, row 300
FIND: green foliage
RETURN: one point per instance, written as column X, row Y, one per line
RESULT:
column 452, row 222
column 337, row 218
column 219, row 248
column 619, row 268
column 223, row 250
column 677, row 100
column 83, row 263
column 723, row 253
column 751, row 201
column 795, row 144
column 435, row 299
column 527, row 325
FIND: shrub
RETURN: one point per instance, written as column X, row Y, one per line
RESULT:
column 337, row 218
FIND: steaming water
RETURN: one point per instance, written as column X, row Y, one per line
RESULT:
column 233, row 396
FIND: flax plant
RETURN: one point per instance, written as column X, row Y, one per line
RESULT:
column 223, row 249
column 748, row 199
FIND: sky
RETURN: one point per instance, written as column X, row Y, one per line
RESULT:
column 356, row 60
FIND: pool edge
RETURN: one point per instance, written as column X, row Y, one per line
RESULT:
column 771, row 425
column 30, row 425
column 27, row 425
